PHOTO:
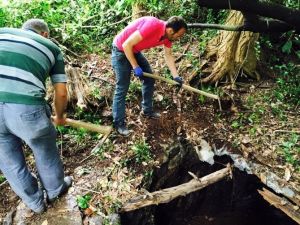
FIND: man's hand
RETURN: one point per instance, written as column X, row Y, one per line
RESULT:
column 59, row 121
column 138, row 72
column 179, row 80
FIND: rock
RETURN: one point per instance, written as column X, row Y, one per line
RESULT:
column 94, row 220
column 205, row 154
column 8, row 220
column 64, row 211
column 114, row 218
column 22, row 214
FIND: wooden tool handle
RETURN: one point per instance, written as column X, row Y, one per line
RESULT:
column 184, row 86
column 89, row 126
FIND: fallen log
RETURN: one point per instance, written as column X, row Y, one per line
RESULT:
column 168, row 194
column 283, row 204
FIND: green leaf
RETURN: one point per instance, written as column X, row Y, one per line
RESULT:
column 235, row 124
column 83, row 201
column 286, row 48
column 2, row 179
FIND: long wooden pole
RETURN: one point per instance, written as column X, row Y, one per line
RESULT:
column 184, row 86
column 89, row 126
column 168, row 194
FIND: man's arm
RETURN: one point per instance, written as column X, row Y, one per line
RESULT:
column 131, row 41
column 170, row 61
column 60, row 103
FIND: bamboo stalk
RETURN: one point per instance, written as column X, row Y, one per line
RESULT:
column 168, row 194
column 184, row 86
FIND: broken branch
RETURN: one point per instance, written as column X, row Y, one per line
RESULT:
column 168, row 194
column 100, row 143
column 283, row 204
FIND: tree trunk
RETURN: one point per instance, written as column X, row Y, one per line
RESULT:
column 257, row 7
column 233, row 53
column 137, row 10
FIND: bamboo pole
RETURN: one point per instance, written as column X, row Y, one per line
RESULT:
column 184, row 86
column 168, row 194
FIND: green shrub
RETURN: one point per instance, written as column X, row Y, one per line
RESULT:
column 288, row 83
column 142, row 152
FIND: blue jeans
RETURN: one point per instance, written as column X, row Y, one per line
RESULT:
column 122, row 69
column 31, row 124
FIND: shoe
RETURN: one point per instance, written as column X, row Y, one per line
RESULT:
column 122, row 129
column 67, row 184
column 151, row 115
column 41, row 209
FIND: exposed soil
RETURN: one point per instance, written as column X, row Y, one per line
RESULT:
column 114, row 172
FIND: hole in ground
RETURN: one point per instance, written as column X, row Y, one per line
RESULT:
column 227, row 202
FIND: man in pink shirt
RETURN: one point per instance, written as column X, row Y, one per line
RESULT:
column 143, row 33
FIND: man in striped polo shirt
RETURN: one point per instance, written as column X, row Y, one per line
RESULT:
column 27, row 59
column 143, row 33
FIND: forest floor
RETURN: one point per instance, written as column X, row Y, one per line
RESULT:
column 250, row 123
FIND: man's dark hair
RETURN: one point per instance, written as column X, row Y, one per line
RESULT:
column 36, row 25
column 176, row 23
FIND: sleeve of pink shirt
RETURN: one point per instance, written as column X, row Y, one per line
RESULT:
column 168, row 44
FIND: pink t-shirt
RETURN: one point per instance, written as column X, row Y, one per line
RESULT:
column 150, row 28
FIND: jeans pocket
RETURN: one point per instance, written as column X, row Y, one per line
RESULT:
column 33, row 116
column 37, row 123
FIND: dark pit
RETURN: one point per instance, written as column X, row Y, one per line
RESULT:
column 233, row 201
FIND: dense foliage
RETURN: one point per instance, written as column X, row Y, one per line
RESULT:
column 77, row 24
column 87, row 24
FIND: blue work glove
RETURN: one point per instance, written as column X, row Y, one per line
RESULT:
column 138, row 72
column 179, row 80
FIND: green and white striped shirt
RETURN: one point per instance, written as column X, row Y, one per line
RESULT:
column 26, row 60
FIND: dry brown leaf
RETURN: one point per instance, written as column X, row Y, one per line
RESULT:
column 89, row 211
column 295, row 207
column 178, row 130
column 263, row 178
column 246, row 139
column 287, row 174
column 45, row 222
column 159, row 97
